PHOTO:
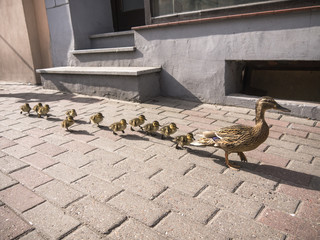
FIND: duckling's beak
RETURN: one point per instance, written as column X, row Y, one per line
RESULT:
column 283, row 109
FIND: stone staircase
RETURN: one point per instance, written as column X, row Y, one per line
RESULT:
column 107, row 69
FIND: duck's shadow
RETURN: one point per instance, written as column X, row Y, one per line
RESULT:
column 284, row 175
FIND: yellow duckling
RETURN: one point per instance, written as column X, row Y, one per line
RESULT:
column 183, row 140
column 67, row 122
column 25, row 108
column 96, row 119
column 118, row 126
column 240, row 138
column 151, row 127
column 137, row 122
column 71, row 113
column 168, row 130
column 43, row 110
column 36, row 107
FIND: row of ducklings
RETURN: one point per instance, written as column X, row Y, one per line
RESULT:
column 150, row 128
column 39, row 109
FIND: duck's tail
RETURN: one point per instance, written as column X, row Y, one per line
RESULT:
column 208, row 138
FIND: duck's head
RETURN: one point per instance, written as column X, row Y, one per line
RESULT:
column 269, row 103
column 173, row 126
column 123, row 122
column 190, row 136
column 100, row 115
column 70, row 119
column 27, row 104
column 40, row 104
column 47, row 106
column 142, row 117
column 156, row 124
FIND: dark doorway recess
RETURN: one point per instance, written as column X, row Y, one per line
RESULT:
column 291, row 80
column 127, row 14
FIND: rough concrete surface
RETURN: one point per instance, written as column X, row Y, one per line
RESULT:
column 91, row 184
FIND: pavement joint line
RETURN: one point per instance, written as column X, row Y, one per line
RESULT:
column 70, row 231
column 79, row 198
column 275, row 187
column 298, row 207
column 201, row 190
column 121, row 160
column 154, row 174
column 38, row 204
column 18, row 169
column 156, row 222
column 79, row 178
column 24, row 233
column 159, row 193
column 259, row 212
column 117, row 225
column 114, row 195
column 118, row 177
column 193, row 166
column 212, row 216
column 237, row 187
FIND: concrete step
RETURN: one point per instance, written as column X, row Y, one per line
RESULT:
column 103, row 50
column 113, row 39
column 124, row 83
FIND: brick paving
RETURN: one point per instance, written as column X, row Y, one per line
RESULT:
column 91, row 184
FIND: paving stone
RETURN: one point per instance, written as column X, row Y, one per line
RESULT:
column 306, row 168
column 269, row 157
column 309, row 150
column 237, row 227
column 132, row 229
column 98, row 189
column 6, row 181
column 314, row 136
column 11, row 225
column 64, row 173
column 10, row 164
column 39, row 161
column 135, row 153
column 47, row 223
column 83, row 233
column 309, row 212
column 45, row 123
column 302, row 141
column 4, row 143
column 135, row 141
column 13, row 134
column 136, row 167
column 305, row 128
column 30, row 177
column 165, row 151
column 230, row 201
column 300, row 192
column 20, row 198
column 103, row 155
column 288, row 224
column 289, row 131
column 139, row 208
column 58, row 193
column 290, row 154
column 195, row 113
column 103, row 170
column 18, row 151
column 186, row 205
column 32, row 236
column 56, row 139
column 50, row 149
column 73, row 159
column 284, row 144
column 37, row 132
column 106, row 144
column 140, row 185
column 79, row 147
column 21, row 126
column 87, row 210
column 302, row 121
column 268, row 197
column 175, row 226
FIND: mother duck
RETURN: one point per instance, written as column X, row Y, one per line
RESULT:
column 240, row 138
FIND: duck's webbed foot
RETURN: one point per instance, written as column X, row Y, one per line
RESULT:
column 242, row 157
column 230, row 165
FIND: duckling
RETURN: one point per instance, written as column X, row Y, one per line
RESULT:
column 183, row 140
column 240, row 138
column 43, row 110
column 151, row 127
column 25, row 108
column 36, row 107
column 168, row 130
column 96, row 119
column 71, row 113
column 118, row 126
column 67, row 122
column 137, row 122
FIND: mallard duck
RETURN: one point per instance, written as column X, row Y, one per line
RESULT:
column 168, row 130
column 25, row 108
column 137, row 122
column 183, row 140
column 240, row 138
column 151, row 128
column 96, row 119
column 71, row 113
column 43, row 110
column 118, row 126
column 36, row 107
column 67, row 122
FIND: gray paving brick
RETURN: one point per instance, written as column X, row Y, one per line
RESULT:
column 6, row 181
column 73, row 159
column 193, row 208
column 32, row 236
column 139, row 208
column 103, row 155
column 64, row 173
column 11, row 225
column 29, row 141
column 301, row 141
column 106, row 144
column 47, row 222
column 18, row 151
column 140, row 185
column 13, row 134
column 232, row 225
column 133, row 229
column 4, row 143
column 303, row 157
column 10, row 164
column 83, row 233
column 136, row 167
column 39, row 160
column 87, row 210
column 56, row 139
column 58, row 193
column 50, row 149
column 309, row 150
column 99, row 189
column 135, row 153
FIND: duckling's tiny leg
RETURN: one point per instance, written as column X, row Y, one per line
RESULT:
column 131, row 128
column 114, row 133
column 21, row 112
column 242, row 157
column 177, row 146
column 122, row 131
column 232, row 166
column 141, row 128
column 162, row 137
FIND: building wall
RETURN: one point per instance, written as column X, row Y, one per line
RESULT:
column 20, row 37
column 193, row 56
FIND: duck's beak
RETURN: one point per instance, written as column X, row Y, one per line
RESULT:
column 283, row 109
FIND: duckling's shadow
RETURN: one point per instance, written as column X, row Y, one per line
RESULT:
column 52, row 118
column 103, row 127
column 79, row 121
column 80, row 132
column 133, row 137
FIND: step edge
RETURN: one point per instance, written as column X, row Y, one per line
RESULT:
column 104, row 50
column 111, row 34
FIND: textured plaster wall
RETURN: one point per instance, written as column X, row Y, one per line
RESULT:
column 193, row 57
